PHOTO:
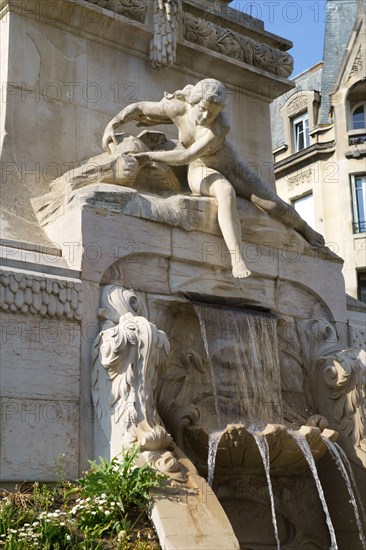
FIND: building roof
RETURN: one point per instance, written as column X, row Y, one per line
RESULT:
column 340, row 20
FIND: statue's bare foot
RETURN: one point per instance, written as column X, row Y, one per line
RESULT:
column 240, row 270
column 313, row 237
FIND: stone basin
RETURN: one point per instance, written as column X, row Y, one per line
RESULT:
column 238, row 452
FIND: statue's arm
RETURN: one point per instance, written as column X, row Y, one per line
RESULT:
column 206, row 145
column 143, row 112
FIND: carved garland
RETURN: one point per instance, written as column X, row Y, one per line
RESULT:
column 40, row 295
column 216, row 38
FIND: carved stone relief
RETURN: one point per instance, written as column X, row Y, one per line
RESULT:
column 43, row 296
column 133, row 9
column 127, row 356
column 338, row 381
column 304, row 177
column 163, row 45
column 298, row 104
column 357, row 64
column 227, row 42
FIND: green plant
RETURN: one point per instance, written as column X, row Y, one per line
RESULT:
column 106, row 509
column 116, row 494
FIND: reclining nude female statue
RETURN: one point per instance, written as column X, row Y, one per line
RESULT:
column 215, row 168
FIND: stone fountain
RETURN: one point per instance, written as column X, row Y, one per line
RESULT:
column 226, row 368
column 214, row 319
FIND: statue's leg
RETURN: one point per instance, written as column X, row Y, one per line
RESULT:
column 209, row 182
column 251, row 186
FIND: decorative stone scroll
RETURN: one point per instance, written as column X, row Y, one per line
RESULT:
column 133, row 9
column 20, row 293
column 163, row 45
column 224, row 41
column 126, row 357
column 338, row 381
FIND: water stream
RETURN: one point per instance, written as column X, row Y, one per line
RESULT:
column 304, row 446
column 242, row 351
column 263, row 448
column 352, row 478
column 213, row 445
column 338, row 460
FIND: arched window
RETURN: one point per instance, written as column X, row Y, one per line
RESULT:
column 359, row 117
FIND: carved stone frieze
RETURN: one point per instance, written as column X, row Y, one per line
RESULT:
column 23, row 293
column 230, row 43
column 133, row 9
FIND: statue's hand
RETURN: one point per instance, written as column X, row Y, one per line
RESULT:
column 142, row 158
column 108, row 137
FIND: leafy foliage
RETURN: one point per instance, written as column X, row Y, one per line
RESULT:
column 107, row 508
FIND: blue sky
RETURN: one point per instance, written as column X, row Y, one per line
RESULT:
column 301, row 21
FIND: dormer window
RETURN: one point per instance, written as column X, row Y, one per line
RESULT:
column 300, row 127
column 359, row 117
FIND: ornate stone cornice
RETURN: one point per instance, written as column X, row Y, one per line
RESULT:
column 44, row 296
column 234, row 45
column 198, row 31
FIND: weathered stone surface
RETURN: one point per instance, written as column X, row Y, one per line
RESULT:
column 39, row 358
column 37, row 437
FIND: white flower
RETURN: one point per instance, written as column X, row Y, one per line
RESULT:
column 107, row 513
column 35, row 523
column 68, row 537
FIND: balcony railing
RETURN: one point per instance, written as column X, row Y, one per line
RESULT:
column 360, row 139
column 359, row 227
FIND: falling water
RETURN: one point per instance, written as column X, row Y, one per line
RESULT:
column 352, row 478
column 243, row 355
column 263, row 448
column 336, row 457
column 304, row 446
column 213, row 445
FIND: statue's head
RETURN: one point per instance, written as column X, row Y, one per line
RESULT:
column 210, row 90
column 208, row 99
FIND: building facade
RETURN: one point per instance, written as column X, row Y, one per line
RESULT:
column 319, row 142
